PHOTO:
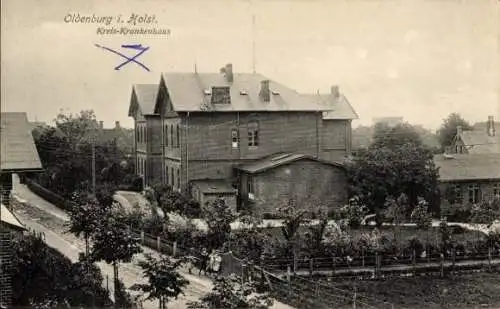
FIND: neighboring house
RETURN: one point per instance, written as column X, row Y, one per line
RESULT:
column 18, row 155
column 18, row 151
column 10, row 227
column 124, row 141
column 468, row 178
column 482, row 139
column 389, row 121
column 193, row 130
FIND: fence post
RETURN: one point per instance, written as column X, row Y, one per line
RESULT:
column 489, row 258
column 354, row 299
column 158, row 243
column 142, row 237
column 288, row 278
column 441, row 261
column 334, row 262
column 174, row 249
column 311, row 266
column 363, row 257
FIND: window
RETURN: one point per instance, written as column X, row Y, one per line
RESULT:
column 145, row 134
column 235, row 140
column 178, row 136
column 474, row 194
column 172, row 135
column 457, row 191
column 250, row 188
column 172, row 177
column 165, row 137
column 167, row 175
column 496, row 189
column 221, row 95
column 137, row 134
column 253, row 134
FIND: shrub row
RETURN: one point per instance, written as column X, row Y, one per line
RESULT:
column 48, row 195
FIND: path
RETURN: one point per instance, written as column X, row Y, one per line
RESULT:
column 51, row 220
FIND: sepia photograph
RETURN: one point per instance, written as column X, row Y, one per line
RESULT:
column 250, row 154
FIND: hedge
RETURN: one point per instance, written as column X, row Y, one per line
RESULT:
column 48, row 195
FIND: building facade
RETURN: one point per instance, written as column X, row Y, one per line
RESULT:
column 204, row 125
column 468, row 178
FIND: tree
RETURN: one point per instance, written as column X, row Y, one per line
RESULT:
column 448, row 129
column 421, row 215
column 314, row 234
column 219, row 218
column 231, row 293
column 395, row 136
column 114, row 244
column 353, row 213
column 393, row 165
column 77, row 128
column 42, row 275
column 396, row 212
column 164, row 280
column 169, row 200
column 85, row 216
column 293, row 218
column 250, row 241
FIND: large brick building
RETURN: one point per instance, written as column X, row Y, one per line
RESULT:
column 194, row 130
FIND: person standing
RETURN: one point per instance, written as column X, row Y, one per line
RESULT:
column 203, row 261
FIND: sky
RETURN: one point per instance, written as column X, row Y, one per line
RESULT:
column 416, row 59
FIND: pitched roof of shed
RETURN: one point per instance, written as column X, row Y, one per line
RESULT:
column 468, row 167
column 340, row 108
column 17, row 147
column 9, row 218
column 279, row 159
column 146, row 98
column 186, row 91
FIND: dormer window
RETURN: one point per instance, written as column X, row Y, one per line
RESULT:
column 221, row 95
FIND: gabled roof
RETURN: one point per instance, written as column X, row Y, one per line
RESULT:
column 280, row 159
column 340, row 108
column 213, row 186
column 478, row 141
column 17, row 147
column 468, row 167
column 9, row 218
column 187, row 93
column 144, row 98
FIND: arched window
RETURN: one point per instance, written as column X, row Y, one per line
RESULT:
column 253, row 134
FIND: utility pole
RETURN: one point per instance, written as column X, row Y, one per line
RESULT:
column 93, row 168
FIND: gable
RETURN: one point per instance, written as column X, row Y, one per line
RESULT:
column 163, row 101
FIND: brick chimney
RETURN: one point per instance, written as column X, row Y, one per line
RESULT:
column 117, row 124
column 101, row 124
column 228, row 70
column 334, row 91
column 490, row 126
column 265, row 93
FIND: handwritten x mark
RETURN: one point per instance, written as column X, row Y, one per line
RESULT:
column 134, row 46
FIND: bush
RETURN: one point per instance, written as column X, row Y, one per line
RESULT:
column 48, row 195
column 456, row 212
